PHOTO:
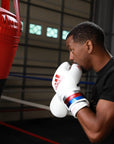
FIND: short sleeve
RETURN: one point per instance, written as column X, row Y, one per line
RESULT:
column 108, row 89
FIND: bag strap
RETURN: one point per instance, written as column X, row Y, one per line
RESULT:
column 17, row 12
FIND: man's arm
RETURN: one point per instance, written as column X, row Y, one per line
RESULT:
column 98, row 125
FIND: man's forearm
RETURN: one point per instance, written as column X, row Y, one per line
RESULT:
column 92, row 124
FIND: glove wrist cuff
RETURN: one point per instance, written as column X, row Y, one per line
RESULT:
column 75, row 97
column 78, row 106
column 75, row 102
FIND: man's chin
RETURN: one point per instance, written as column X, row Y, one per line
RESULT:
column 84, row 70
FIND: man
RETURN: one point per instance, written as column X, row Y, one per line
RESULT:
column 86, row 47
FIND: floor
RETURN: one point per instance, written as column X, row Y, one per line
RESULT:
column 43, row 131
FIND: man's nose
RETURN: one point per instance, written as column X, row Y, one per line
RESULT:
column 71, row 57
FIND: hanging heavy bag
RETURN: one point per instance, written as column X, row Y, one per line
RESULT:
column 10, row 31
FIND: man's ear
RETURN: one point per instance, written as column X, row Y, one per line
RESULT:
column 89, row 46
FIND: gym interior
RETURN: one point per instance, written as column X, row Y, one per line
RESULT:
column 24, row 105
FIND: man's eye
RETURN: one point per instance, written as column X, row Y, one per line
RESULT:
column 71, row 50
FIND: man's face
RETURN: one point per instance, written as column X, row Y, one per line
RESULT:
column 78, row 53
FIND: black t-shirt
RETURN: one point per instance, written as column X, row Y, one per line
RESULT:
column 104, row 89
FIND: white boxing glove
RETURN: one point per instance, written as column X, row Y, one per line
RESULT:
column 65, row 82
column 60, row 74
column 57, row 107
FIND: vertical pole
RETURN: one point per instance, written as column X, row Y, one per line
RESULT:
column 25, row 56
column 61, row 29
column 89, row 75
column 92, row 10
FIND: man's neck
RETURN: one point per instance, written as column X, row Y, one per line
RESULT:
column 101, row 60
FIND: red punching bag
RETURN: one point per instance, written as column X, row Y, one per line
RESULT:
column 10, row 31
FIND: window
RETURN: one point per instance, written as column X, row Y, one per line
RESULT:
column 35, row 29
column 52, row 32
column 64, row 34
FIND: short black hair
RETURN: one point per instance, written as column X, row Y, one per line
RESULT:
column 87, row 31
